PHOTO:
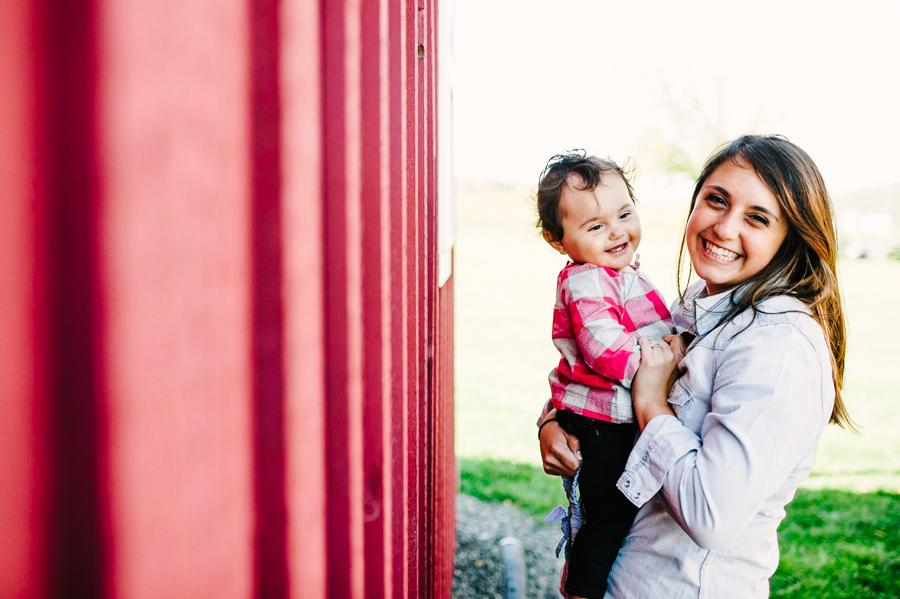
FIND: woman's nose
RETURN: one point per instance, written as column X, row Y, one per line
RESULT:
column 726, row 227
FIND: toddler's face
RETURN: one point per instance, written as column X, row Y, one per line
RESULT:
column 601, row 226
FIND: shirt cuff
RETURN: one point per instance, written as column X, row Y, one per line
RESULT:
column 664, row 441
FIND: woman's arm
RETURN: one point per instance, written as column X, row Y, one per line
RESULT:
column 770, row 402
column 561, row 452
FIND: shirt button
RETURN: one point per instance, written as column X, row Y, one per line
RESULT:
column 688, row 305
column 637, row 495
column 627, row 484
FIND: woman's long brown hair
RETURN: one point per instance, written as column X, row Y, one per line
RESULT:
column 805, row 266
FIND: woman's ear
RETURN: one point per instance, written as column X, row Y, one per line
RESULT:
column 557, row 245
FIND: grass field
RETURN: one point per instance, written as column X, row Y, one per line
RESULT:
column 840, row 539
column 835, row 544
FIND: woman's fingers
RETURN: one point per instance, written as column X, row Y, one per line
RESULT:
column 661, row 351
column 558, row 450
column 676, row 343
column 574, row 447
column 654, row 351
column 655, row 354
column 654, row 379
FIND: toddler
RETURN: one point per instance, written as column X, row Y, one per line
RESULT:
column 587, row 212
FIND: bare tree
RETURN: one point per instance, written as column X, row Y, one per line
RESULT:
column 695, row 124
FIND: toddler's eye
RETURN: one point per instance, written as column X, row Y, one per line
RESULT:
column 624, row 215
column 596, row 227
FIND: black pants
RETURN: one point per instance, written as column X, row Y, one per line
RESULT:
column 608, row 515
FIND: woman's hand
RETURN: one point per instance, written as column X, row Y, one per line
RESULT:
column 655, row 376
column 560, row 451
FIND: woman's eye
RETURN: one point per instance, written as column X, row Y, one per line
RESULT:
column 717, row 200
column 759, row 219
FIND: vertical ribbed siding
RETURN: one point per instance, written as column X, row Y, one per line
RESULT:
column 444, row 539
column 391, row 491
column 235, row 302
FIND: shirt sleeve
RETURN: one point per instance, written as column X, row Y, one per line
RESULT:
column 596, row 311
column 769, row 405
column 547, row 408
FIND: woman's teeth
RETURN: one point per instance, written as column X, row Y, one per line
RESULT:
column 719, row 252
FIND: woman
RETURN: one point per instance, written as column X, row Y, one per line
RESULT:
column 722, row 453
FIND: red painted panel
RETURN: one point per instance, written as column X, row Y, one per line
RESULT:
column 398, row 55
column 303, row 303
column 174, row 115
column 23, row 471
column 270, row 543
column 342, row 296
column 376, row 299
column 415, row 299
column 428, row 173
column 70, row 298
column 446, row 484
column 227, row 367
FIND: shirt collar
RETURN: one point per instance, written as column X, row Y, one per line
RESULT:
column 705, row 312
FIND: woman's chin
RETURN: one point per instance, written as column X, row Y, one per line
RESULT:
column 716, row 280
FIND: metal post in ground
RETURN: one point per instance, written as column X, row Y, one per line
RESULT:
column 514, row 567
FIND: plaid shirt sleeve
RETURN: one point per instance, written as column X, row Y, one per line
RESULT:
column 592, row 298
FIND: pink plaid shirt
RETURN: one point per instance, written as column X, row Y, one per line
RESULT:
column 598, row 316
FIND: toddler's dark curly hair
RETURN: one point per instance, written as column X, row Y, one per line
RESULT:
column 554, row 179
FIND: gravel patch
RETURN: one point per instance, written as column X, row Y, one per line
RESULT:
column 478, row 572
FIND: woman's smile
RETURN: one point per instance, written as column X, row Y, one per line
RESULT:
column 718, row 252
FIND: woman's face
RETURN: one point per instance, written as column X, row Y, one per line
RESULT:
column 735, row 228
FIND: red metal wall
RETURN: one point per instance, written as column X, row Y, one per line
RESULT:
column 226, row 367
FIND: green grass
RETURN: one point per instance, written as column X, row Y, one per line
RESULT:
column 838, row 544
column 834, row 544
column 840, row 538
column 523, row 485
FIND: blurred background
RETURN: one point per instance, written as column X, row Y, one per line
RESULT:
column 663, row 84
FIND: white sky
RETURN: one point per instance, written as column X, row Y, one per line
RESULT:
column 532, row 78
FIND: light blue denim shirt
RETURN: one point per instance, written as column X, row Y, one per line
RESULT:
column 712, row 482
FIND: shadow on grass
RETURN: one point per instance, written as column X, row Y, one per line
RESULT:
column 834, row 544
